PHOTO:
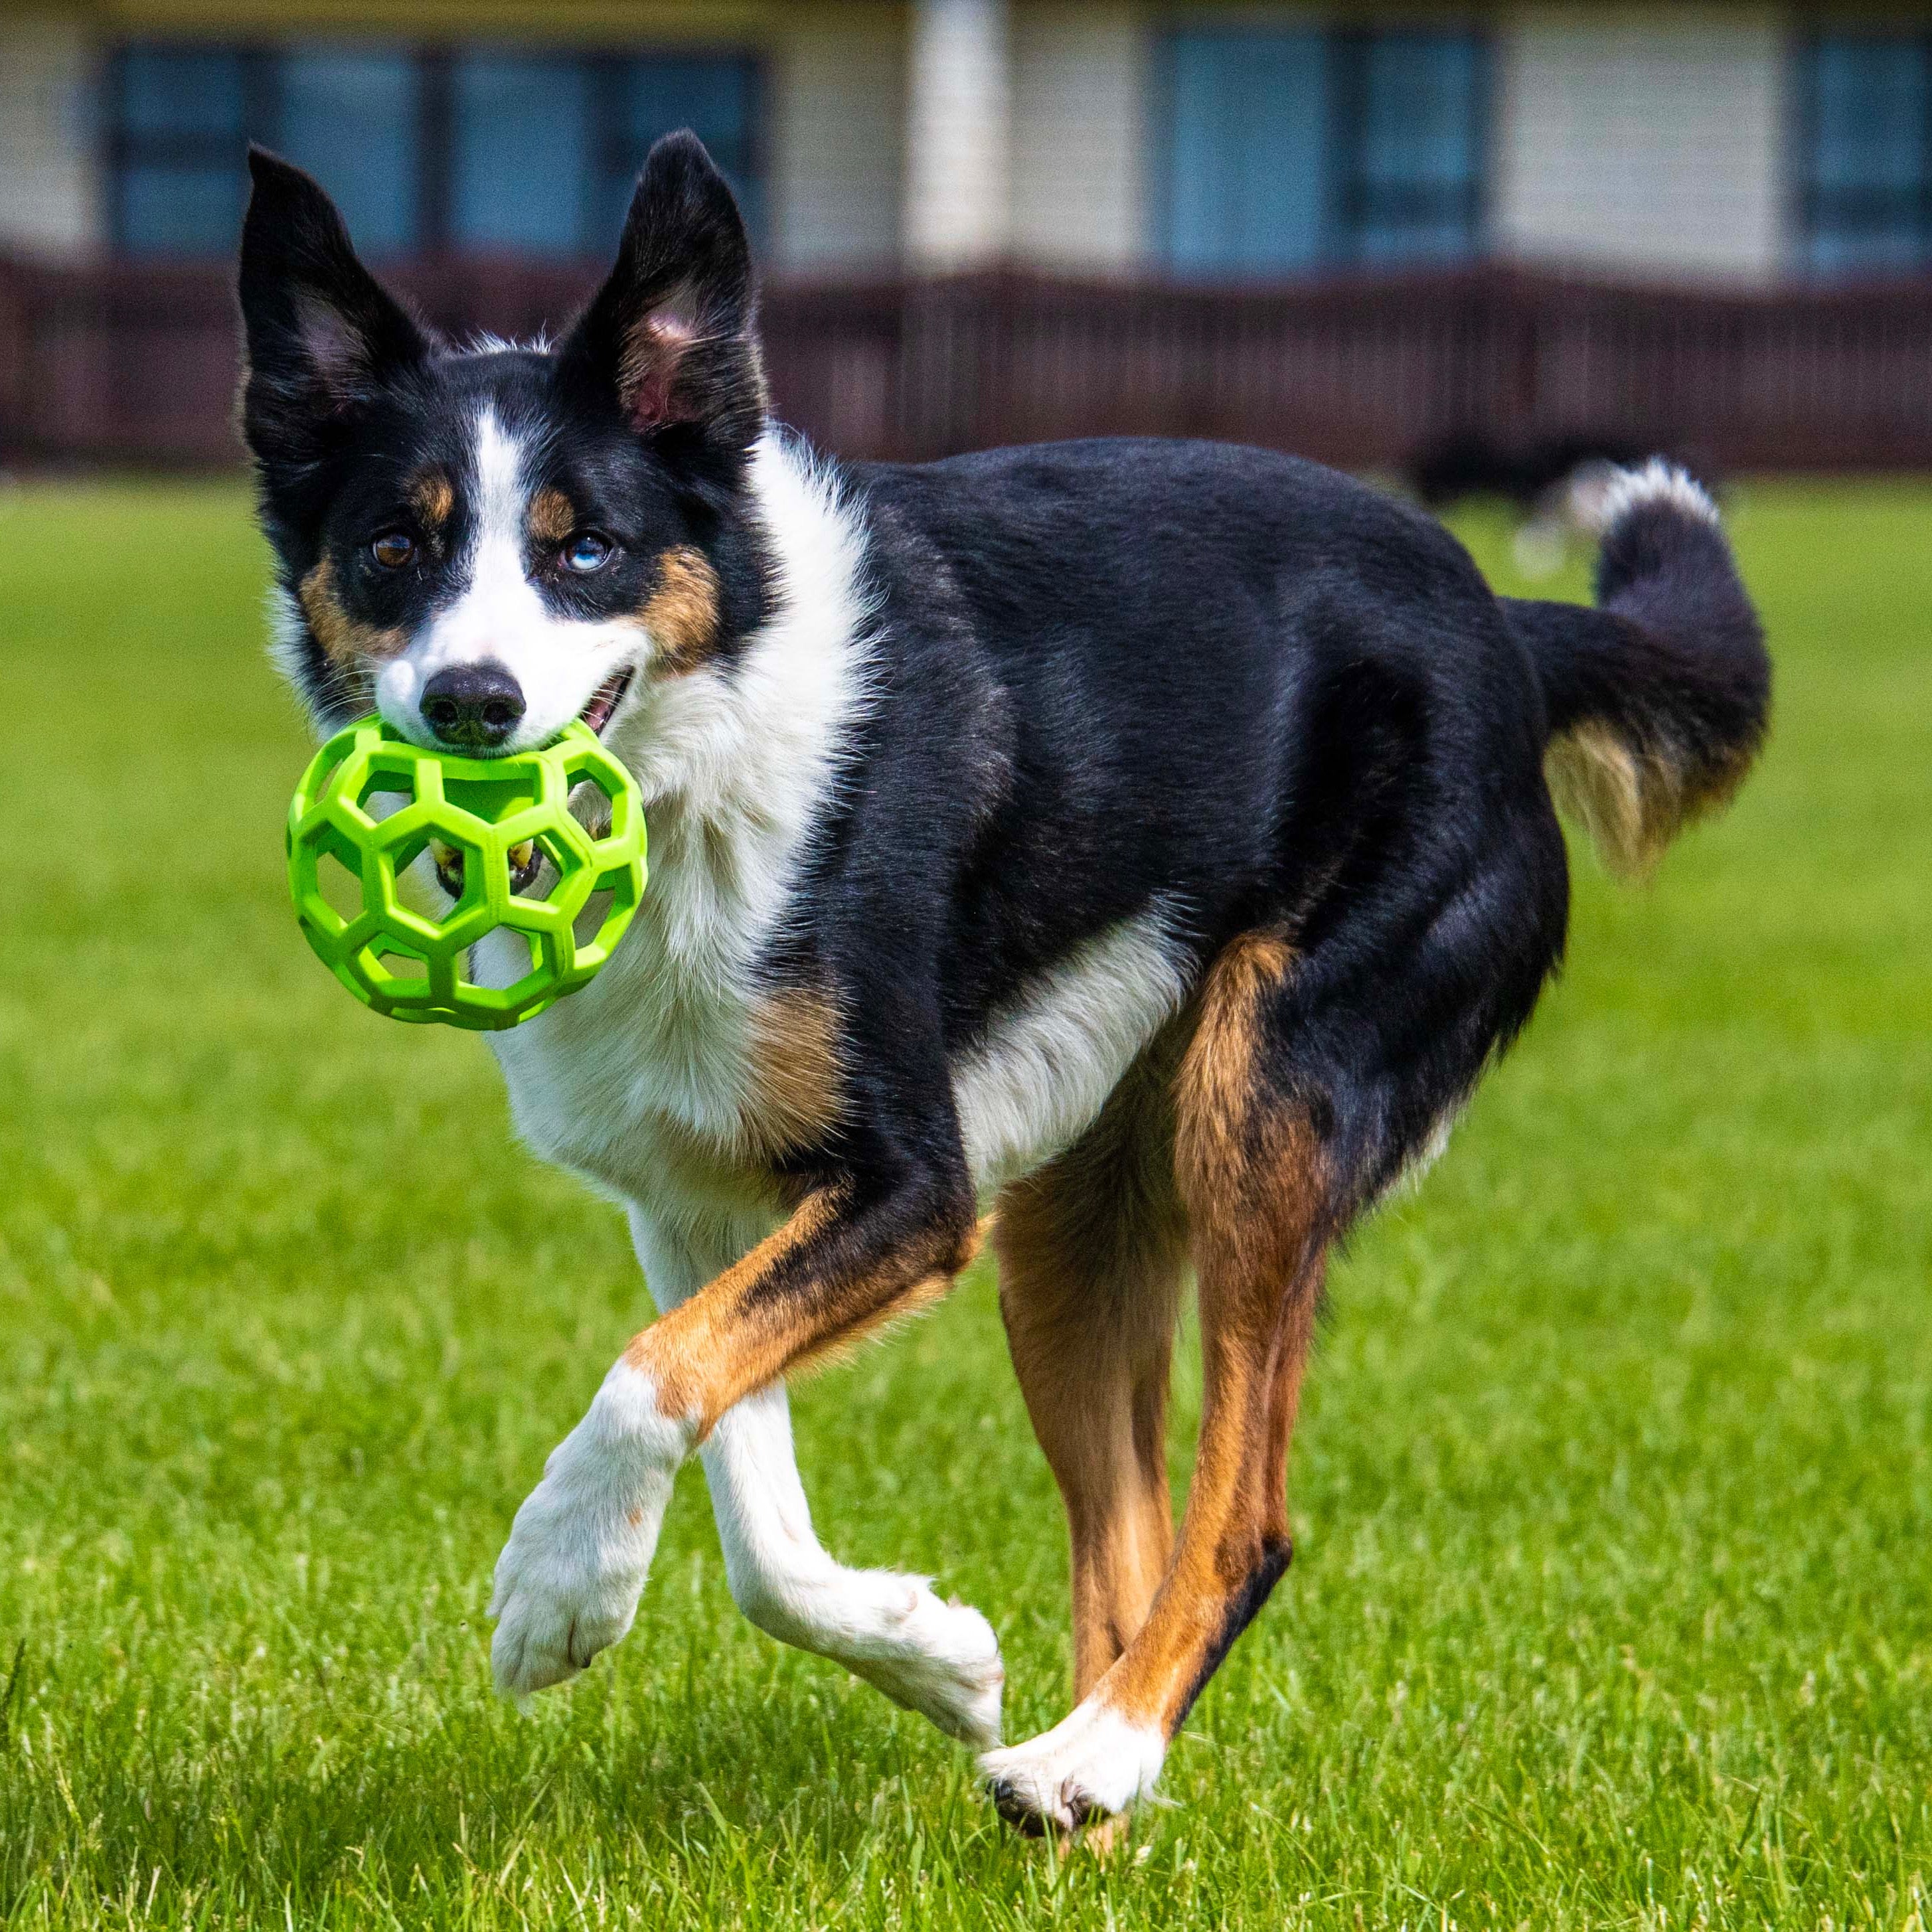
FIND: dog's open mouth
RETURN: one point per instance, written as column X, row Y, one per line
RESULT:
column 598, row 712
column 526, row 864
column 526, row 861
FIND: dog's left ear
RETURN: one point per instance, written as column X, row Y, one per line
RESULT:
column 670, row 336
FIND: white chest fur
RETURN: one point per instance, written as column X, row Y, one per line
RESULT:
column 642, row 1081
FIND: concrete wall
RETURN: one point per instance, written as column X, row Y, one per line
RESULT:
column 836, row 135
column 1646, row 140
column 50, row 196
column 1080, row 134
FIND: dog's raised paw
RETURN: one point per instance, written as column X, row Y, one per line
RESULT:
column 567, row 1581
column 943, row 1661
column 1093, row 1764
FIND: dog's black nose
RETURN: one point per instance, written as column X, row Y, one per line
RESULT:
column 472, row 705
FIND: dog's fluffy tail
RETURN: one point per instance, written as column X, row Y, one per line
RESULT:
column 1658, row 698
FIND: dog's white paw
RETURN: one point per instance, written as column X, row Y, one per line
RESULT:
column 567, row 1581
column 941, row 1660
column 1091, row 1765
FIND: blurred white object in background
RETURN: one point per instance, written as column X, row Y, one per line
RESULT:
column 958, row 107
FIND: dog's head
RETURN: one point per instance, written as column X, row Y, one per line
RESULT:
column 484, row 543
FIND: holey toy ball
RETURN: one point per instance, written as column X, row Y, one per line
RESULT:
column 544, row 849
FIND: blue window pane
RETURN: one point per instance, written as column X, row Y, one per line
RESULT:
column 181, row 210
column 1417, row 148
column 522, row 154
column 1867, row 173
column 1386, row 240
column 182, row 90
column 350, row 116
column 1870, row 115
column 711, row 98
column 716, row 99
column 1877, row 250
column 1419, row 107
column 179, row 119
column 1248, row 183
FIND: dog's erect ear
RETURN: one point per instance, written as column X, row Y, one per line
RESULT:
column 323, row 333
column 670, row 334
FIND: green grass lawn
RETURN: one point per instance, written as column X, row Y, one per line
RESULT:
column 1612, row 1601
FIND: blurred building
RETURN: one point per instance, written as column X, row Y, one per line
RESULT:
column 1742, row 142
column 1458, row 213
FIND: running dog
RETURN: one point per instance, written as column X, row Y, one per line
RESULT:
column 1153, row 841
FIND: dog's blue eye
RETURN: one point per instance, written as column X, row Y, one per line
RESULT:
column 586, row 552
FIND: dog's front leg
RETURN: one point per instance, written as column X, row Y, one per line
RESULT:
column 569, row 1580
column 941, row 1659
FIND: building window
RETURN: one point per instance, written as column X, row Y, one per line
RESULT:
column 1410, row 134
column 520, row 151
column 1864, row 159
column 717, row 100
column 353, row 117
column 178, row 118
column 546, row 149
column 1297, row 148
column 491, row 149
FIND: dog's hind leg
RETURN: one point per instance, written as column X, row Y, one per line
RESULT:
column 1251, row 1172
column 1090, row 1249
column 940, row 1659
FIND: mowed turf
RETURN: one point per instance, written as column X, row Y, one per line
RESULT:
column 1612, row 1598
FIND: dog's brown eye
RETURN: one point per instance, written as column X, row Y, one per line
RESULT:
column 392, row 549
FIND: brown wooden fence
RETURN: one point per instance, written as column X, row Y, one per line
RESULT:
column 136, row 365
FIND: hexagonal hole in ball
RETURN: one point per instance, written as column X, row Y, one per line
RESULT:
column 589, row 922
column 591, row 804
column 537, row 865
column 504, row 961
column 405, row 966
column 382, row 793
column 341, row 890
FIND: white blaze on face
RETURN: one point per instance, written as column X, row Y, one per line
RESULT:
column 499, row 618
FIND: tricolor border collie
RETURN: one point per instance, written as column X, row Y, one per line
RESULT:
column 1152, row 842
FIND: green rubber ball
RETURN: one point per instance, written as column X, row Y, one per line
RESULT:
column 503, row 840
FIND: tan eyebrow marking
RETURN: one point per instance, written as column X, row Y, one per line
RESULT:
column 681, row 613
column 432, row 498
column 551, row 516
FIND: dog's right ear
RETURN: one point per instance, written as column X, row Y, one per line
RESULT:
column 323, row 332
